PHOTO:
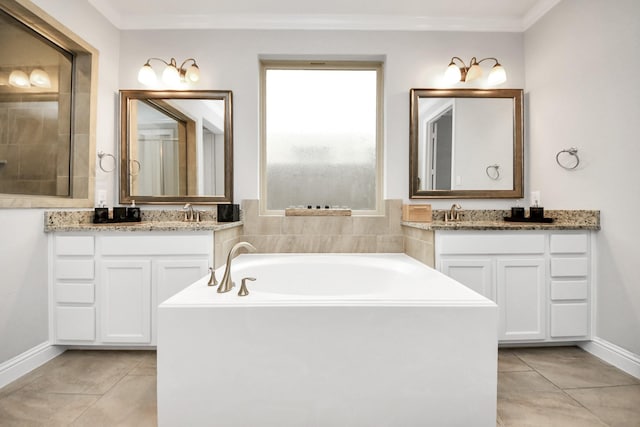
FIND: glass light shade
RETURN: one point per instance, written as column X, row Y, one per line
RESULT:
column 40, row 78
column 171, row 75
column 146, row 75
column 452, row 74
column 19, row 78
column 473, row 73
column 193, row 74
column 497, row 75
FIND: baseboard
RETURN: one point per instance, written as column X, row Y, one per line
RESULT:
column 614, row 355
column 26, row 362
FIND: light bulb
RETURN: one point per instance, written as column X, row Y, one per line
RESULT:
column 19, row 78
column 40, row 78
column 146, row 75
column 474, row 72
column 497, row 75
column 171, row 75
column 193, row 74
column 452, row 74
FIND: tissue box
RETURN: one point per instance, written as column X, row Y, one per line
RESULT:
column 416, row 213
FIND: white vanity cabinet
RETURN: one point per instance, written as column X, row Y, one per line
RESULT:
column 539, row 279
column 106, row 286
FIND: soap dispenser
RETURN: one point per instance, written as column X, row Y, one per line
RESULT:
column 133, row 212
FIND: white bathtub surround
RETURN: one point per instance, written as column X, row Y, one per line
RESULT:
column 328, row 339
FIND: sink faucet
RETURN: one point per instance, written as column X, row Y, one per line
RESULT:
column 226, row 283
column 190, row 215
column 454, row 215
column 189, row 210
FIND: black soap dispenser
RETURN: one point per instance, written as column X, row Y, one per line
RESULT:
column 133, row 212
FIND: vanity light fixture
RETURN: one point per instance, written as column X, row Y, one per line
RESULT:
column 19, row 78
column 172, row 74
column 38, row 78
column 461, row 73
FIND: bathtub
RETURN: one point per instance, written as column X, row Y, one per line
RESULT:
column 328, row 340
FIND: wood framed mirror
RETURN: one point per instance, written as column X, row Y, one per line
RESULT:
column 176, row 147
column 466, row 143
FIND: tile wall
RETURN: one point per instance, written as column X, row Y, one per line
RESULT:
column 326, row 234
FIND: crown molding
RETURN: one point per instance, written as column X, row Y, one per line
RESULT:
column 537, row 12
column 159, row 21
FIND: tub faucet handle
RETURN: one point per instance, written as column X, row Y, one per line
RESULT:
column 243, row 292
column 213, row 281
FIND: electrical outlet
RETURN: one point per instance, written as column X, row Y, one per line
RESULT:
column 535, row 198
column 102, row 197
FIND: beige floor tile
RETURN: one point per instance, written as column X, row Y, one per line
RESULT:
column 617, row 406
column 131, row 402
column 148, row 364
column 509, row 362
column 20, row 382
column 548, row 409
column 571, row 367
column 88, row 372
column 510, row 382
column 24, row 408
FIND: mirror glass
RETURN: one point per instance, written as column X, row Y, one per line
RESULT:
column 466, row 143
column 35, row 113
column 176, row 147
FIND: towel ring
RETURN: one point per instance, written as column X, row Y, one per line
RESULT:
column 573, row 151
column 496, row 175
column 137, row 171
column 101, row 156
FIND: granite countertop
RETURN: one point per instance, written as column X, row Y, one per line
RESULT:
column 494, row 220
column 152, row 220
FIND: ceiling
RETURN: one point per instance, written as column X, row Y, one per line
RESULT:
column 401, row 15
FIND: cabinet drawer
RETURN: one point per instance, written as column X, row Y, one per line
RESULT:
column 74, row 269
column 566, row 267
column 569, row 320
column 569, row 289
column 568, row 243
column 492, row 244
column 156, row 245
column 74, row 245
column 75, row 323
column 80, row 293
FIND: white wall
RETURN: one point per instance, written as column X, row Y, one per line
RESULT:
column 591, row 46
column 230, row 60
column 23, row 251
column 581, row 62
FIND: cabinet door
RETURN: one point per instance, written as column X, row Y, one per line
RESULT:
column 521, row 299
column 172, row 276
column 125, row 301
column 474, row 273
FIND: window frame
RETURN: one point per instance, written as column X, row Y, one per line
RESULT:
column 378, row 66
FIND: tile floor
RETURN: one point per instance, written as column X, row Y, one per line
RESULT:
column 559, row 386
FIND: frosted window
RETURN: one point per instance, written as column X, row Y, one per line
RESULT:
column 321, row 137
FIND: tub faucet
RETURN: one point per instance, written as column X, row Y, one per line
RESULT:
column 454, row 215
column 226, row 284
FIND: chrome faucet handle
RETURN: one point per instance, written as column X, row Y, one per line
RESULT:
column 212, row 280
column 243, row 292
